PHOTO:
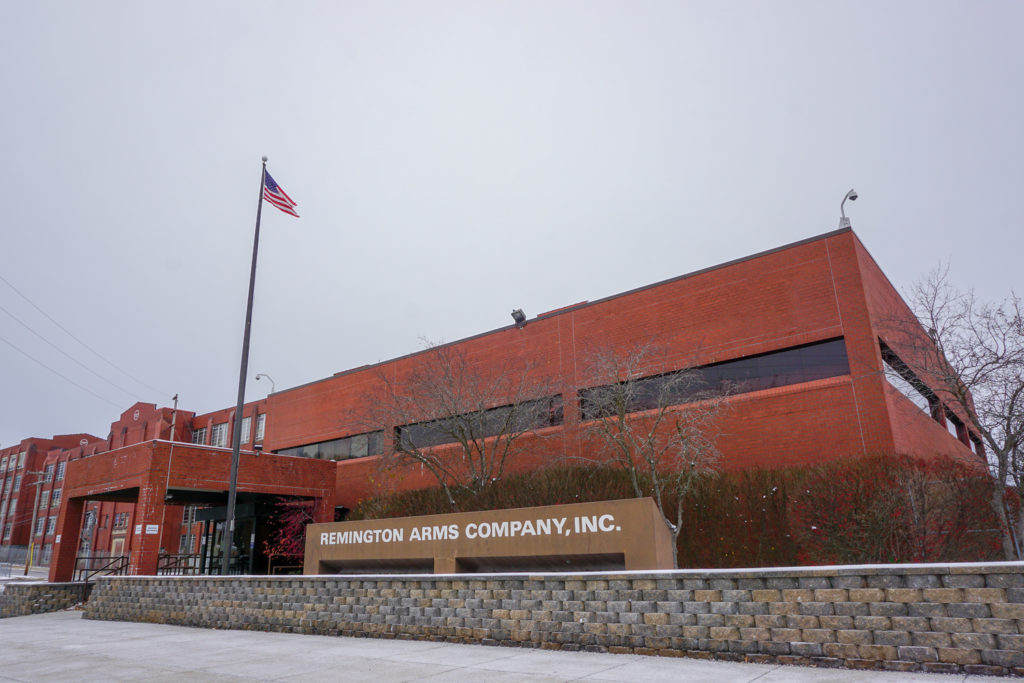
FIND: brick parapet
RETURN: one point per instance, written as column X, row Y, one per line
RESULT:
column 940, row 618
column 22, row 599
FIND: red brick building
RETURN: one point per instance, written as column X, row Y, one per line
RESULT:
column 805, row 328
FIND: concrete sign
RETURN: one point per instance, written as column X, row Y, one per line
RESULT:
column 610, row 535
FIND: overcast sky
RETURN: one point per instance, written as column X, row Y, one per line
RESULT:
column 453, row 161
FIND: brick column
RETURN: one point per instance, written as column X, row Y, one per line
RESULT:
column 149, row 516
column 62, row 562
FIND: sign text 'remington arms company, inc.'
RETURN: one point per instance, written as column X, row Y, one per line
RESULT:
column 618, row 534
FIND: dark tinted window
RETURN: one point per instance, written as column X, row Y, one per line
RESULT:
column 806, row 363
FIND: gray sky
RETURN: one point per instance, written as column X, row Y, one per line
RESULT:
column 455, row 160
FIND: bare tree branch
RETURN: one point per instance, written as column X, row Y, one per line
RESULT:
column 970, row 353
column 460, row 421
column 660, row 428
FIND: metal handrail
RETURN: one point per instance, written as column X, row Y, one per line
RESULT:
column 115, row 565
column 179, row 564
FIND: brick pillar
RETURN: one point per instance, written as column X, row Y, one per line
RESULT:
column 149, row 516
column 65, row 547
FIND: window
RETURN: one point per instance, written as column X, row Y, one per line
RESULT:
column 185, row 544
column 219, row 435
column 21, row 460
column 39, row 525
column 261, row 423
column 3, row 463
column 199, row 435
column 819, row 360
column 536, row 414
column 55, row 501
column 61, row 467
column 7, row 532
column 357, row 446
column 246, row 429
column 17, row 482
column 48, row 473
column 7, row 486
column 51, row 525
column 44, row 499
column 903, row 380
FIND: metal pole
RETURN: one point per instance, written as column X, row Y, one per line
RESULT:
column 32, row 526
column 236, row 438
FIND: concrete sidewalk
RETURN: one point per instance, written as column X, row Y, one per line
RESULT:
column 64, row 647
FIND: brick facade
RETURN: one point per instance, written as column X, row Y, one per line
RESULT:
column 822, row 289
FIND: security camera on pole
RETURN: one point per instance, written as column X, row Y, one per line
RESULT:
column 844, row 222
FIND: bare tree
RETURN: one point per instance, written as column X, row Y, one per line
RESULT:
column 660, row 428
column 972, row 358
column 462, row 422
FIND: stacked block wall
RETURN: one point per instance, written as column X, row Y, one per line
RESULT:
column 940, row 618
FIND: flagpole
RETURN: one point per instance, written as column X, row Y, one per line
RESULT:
column 236, row 439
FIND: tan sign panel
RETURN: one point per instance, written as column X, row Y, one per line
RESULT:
column 610, row 535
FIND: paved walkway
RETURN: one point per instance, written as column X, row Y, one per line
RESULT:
column 64, row 647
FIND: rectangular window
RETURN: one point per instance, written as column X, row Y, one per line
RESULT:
column 44, row 499
column 219, row 435
column 261, row 423
column 199, row 435
column 819, row 360
column 21, row 460
column 40, row 522
column 55, row 501
column 7, row 532
column 7, row 486
column 17, row 482
column 51, row 525
column 48, row 473
column 902, row 379
column 61, row 467
column 246, row 429
column 3, row 463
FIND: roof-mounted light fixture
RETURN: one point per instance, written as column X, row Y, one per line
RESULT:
column 844, row 222
column 519, row 317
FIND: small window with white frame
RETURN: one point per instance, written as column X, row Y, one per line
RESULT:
column 246, row 429
column 55, row 500
column 51, row 525
column 48, row 473
column 199, row 435
column 44, row 499
column 40, row 522
column 61, row 468
column 219, row 435
column 261, row 423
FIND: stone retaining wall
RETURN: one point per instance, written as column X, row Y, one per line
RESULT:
column 21, row 599
column 940, row 618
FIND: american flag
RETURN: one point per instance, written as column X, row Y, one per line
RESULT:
column 273, row 193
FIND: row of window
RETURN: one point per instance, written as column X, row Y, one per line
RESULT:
column 219, row 432
column 46, row 501
column 48, row 471
column 14, row 461
column 902, row 378
column 805, row 363
column 12, row 484
column 49, row 522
